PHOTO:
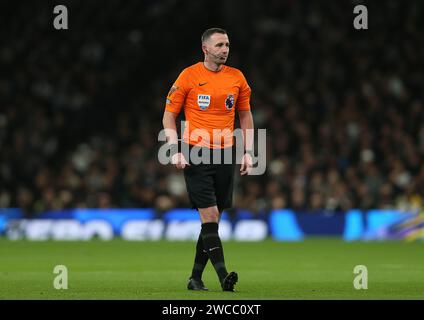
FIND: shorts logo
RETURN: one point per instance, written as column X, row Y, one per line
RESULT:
column 203, row 100
column 229, row 102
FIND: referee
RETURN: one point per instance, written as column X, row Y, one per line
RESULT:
column 210, row 92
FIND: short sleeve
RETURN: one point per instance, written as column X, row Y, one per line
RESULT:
column 243, row 101
column 177, row 94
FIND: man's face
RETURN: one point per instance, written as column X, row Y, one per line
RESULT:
column 217, row 48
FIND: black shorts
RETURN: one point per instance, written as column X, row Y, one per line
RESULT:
column 210, row 184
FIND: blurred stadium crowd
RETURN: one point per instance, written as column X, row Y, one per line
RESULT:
column 81, row 109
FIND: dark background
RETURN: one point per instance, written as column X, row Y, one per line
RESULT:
column 81, row 109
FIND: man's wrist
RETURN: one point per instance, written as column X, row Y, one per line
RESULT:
column 173, row 149
column 249, row 152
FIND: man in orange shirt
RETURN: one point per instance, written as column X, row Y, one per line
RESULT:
column 210, row 92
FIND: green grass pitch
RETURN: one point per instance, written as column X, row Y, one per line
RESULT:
column 311, row 269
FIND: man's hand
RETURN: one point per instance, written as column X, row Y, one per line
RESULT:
column 179, row 161
column 246, row 164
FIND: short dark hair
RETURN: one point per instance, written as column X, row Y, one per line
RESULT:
column 207, row 34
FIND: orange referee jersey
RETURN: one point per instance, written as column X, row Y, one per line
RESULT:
column 209, row 99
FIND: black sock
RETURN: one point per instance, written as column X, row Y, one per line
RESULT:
column 200, row 260
column 213, row 246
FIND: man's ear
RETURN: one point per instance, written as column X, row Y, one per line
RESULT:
column 204, row 49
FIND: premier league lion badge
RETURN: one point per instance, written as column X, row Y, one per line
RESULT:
column 229, row 102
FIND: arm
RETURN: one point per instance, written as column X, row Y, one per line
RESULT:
column 246, row 124
column 174, row 103
column 170, row 127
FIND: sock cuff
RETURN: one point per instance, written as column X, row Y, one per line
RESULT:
column 209, row 227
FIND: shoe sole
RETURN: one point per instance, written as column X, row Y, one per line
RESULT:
column 229, row 281
column 189, row 287
column 205, row 289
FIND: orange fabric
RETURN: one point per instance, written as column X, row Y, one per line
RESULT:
column 209, row 100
